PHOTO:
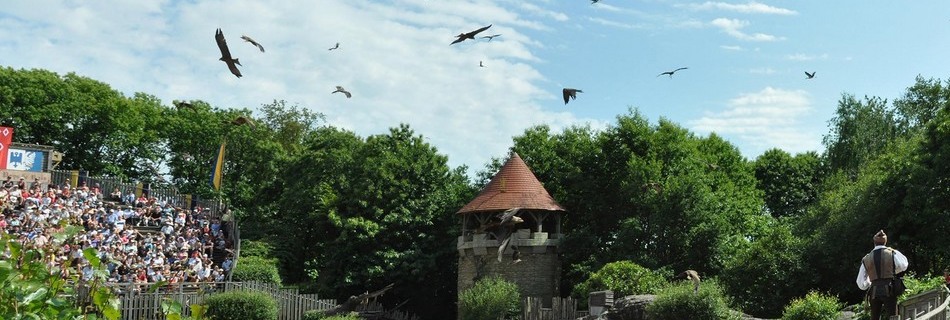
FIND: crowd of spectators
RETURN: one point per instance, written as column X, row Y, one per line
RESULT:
column 138, row 239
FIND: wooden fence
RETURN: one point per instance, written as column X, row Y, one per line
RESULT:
column 137, row 303
column 561, row 309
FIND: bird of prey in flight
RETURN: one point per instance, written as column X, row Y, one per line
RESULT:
column 337, row 46
column 501, row 226
column 248, row 39
column 809, row 75
column 491, row 37
column 570, row 93
column 693, row 276
column 670, row 73
column 182, row 104
column 242, row 120
column 340, row 89
column 480, row 64
column 469, row 35
column 226, row 54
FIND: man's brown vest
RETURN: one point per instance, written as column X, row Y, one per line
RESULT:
column 879, row 264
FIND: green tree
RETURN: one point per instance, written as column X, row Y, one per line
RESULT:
column 389, row 200
column 790, row 184
column 859, row 131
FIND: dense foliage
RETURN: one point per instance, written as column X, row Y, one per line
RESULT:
column 679, row 301
column 814, row 306
column 490, row 298
column 252, row 268
column 30, row 289
column 318, row 315
column 623, row 278
column 251, row 305
column 344, row 214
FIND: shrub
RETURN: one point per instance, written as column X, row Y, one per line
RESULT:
column 256, row 248
column 624, row 278
column 249, row 305
column 678, row 302
column 318, row 315
column 915, row 285
column 490, row 298
column 256, row 269
column 814, row 306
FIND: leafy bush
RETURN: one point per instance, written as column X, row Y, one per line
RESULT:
column 624, row 278
column 678, row 302
column 318, row 315
column 256, row 269
column 915, row 285
column 30, row 289
column 489, row 299
column 814, row 306
column 250, row 305
column 256, row 248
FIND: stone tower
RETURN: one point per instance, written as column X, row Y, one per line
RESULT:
column 537, row 238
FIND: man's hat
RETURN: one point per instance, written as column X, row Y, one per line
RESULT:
column 880, row 236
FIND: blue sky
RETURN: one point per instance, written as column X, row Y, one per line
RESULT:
column 745, row 80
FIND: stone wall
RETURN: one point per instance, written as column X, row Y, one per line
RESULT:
column 537, row 275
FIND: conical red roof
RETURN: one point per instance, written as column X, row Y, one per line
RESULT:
column 514, row 186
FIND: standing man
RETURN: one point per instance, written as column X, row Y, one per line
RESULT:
column 878, row 268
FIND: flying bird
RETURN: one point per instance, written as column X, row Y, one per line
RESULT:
column 248, row 39
column 693, row 276
column 340, row 89
column 491, row 37
column 242, row 120
column 337, row 46
column 670, row 73
column 810, row 75
column 501, row 226
column 469, row 35
column 480, row 64
column 226, row 54
column 570, row 93
column 182, row 104
column 593, row 1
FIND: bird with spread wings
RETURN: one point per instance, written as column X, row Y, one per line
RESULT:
column 693, row 276
column 341, row 90
column 242, row 120
column 248, row 39
column 570, row 93
column 670, row 73
column 226, row 54
column 469, row 35
column 491, row 37
column 502, row 226
column 810, row 75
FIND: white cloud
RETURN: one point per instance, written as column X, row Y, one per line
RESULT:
column 765, row 119
column 806, row 57
column 732, row 48
column 612, row 23
column 751, row 7
column 765, row 70
column 397, row 62
column 558, row 16
column 733, row 28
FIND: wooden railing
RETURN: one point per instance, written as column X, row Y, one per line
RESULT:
column 561, row 309
column 927, row 305
column 138, row 303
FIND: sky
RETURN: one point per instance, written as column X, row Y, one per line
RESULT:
column 745, row 80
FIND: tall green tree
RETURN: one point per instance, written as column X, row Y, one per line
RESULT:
column 367, row 213
column 85, row 119
column 790, row 184
column 859, row 131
